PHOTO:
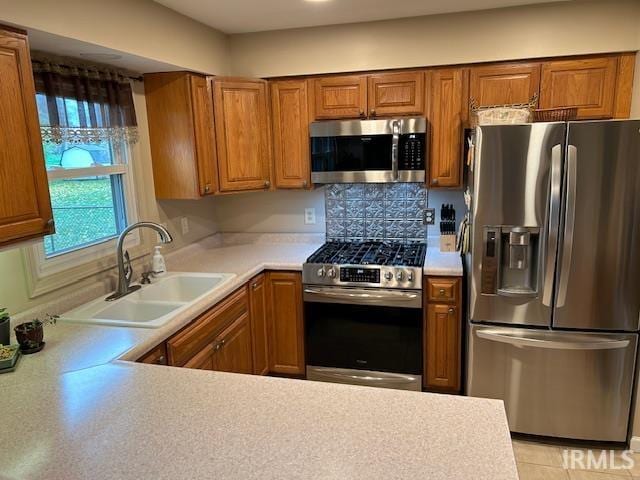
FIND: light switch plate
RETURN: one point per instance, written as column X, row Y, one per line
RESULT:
column 309, row 216
column 429, row 216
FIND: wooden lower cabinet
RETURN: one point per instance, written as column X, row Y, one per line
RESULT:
column 157, row 356
column 443, row 336
column 232, row 349
column 259, row 330
column 286, row 325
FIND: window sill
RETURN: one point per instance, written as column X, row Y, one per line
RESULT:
column 47, row 275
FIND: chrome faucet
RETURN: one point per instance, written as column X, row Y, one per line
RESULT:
column 125, row 271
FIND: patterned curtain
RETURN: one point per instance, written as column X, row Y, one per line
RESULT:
column 83, row 103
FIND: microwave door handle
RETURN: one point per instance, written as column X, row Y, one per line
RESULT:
column 394, row 149
column 569, row 225
column 554, row 223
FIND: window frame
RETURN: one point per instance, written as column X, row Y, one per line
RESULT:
column 45, row 274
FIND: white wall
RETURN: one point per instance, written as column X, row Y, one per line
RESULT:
column 139, row 27
column 569, row 28
column 280, row 211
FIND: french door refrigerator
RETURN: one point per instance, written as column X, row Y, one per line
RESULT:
column 554, row 275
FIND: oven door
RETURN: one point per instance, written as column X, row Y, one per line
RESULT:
column 364, row 329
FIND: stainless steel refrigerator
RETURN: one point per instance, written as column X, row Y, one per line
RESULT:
column 554, row 275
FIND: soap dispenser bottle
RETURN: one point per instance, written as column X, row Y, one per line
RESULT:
column 157, row 264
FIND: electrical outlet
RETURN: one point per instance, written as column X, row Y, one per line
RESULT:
column 429, row 216
column 309, row 216
column 184, row 225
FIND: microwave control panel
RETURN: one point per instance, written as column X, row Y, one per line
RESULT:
column 411, row 152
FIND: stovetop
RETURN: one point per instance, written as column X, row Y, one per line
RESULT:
column 370, row 253
column 366, row 264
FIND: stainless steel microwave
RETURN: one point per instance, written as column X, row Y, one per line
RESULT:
column 368, row 151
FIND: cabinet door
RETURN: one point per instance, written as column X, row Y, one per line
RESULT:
column 204, row 133
column 181, row 134
column 446, row 105
column 342, row 96
column 396, row 94
column 157, row 356
column 286, row 328
column 504, row 84
column 259, row 331
column 442, row 347
column 25, row 206
column 203, row 360
column 233, row 348
column 289, row 111
column 242, row 134
column 588, row 84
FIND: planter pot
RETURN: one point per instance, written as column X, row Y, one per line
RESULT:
column 5, row 337
column 30, row 337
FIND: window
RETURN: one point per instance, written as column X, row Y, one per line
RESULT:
column 88, row 188
column 88, row 126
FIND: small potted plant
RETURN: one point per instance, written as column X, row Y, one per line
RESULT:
column 4, row 327
column 30, row 334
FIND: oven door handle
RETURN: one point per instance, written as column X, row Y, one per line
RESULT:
column 402, row 296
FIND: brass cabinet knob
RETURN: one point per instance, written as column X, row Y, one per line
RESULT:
column 441, row 292
column 304, row 183
column 434, row 181
column 451, row 310
column 207, row 188
column 160, row 360
column 373, row 112
column 362, row 113
column 267, row 184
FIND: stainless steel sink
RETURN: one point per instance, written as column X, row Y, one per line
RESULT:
column 153, row 305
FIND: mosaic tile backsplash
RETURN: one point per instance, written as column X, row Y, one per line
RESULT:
column 376, row 211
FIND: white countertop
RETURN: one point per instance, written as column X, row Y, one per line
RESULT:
column 76, row 410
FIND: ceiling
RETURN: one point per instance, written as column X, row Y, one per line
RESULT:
column 242, row 16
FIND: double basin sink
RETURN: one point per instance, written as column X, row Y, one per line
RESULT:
column 153, row 305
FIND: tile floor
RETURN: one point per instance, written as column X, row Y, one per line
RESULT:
column 538, row 461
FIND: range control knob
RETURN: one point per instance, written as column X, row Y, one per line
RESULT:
column 332, row 273
column 320, row 272
column 399, row 275
column 388, row 275
column 410, row 276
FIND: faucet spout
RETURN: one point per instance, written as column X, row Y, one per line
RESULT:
column 125, row 274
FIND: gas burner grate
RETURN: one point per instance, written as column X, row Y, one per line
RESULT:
column 370, row 253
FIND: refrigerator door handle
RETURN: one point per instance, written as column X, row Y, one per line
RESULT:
column 557, row 344
column 569, row 224
column 554, row 223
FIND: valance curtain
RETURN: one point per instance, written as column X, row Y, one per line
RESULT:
column 82, row 103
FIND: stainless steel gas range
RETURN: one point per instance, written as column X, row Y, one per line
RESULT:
column 363, row 313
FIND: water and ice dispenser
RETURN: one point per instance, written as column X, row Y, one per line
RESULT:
column 510, row 261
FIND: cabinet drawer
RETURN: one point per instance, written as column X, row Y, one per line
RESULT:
column 443, row 290
column 195, row 337
column 157, row 356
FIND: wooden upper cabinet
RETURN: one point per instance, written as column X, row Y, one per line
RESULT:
column 343, row 96
column 289, row 111
column 588, row 84
column 446, row 107
column 181, row 132
column 259, row 329
column 242, row 134
column 25, row 206
column 396, row 94
column 504, row 83
column 286, row 327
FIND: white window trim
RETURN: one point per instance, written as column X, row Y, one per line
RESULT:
column 44, row 274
